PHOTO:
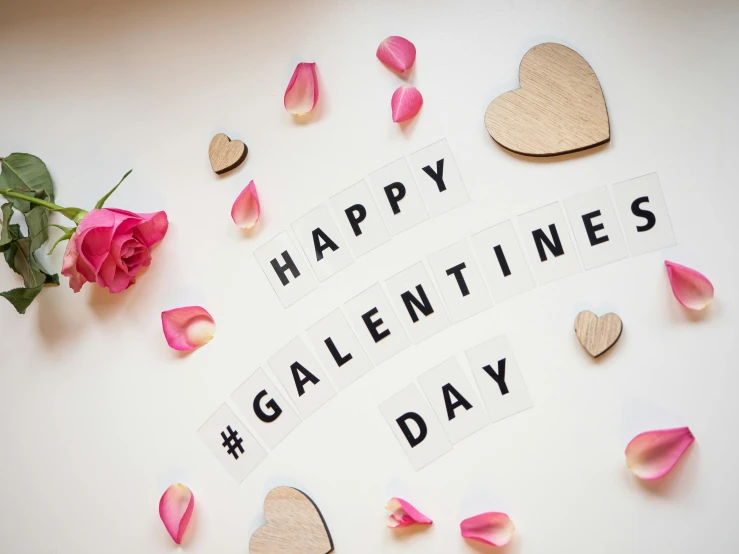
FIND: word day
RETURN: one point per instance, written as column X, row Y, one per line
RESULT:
column 377, row 324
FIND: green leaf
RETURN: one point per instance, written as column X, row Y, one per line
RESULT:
column 27, row 174
column 21, row 261
column 38, row 226
column 101, row 202
column 21, row 298
column 6, row 236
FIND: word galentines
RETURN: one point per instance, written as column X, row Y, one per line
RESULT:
column 493, row 265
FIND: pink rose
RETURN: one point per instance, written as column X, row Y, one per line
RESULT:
column 110, row 246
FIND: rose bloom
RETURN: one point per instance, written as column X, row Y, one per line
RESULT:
column 110, row 246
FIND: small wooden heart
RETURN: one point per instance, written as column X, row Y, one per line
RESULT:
column 225, row 154
column 294, row 526
column 558, row 109
column 597, row 334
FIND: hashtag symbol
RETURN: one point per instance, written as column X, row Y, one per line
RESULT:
column 232, row 442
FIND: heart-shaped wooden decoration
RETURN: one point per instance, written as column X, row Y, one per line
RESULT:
column 597, row 334
column 225, row 154
column 294, row 526
column 558, row 109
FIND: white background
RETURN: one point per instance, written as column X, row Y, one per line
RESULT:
column 98, row 416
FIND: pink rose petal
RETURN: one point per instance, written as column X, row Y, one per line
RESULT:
column 397, row 53
column 302, row 91
column 493, row 528
column 691, row 288
column 245, row 211
column 175, row 509
column 406, row 103
column 404, row 514
column 188, row 328
column 653, row 454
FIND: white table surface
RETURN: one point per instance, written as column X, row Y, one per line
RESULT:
column 98, row 416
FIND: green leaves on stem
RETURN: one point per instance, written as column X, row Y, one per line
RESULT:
column 26, row 174
column 26, row 183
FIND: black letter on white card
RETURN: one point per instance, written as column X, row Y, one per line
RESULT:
column 373, row 325
column 457, row 272
column 498, row 377
column 281, row 270
column 338, row 358
column 591, row 229
column 448, row 390
column 554, row 245
column 395, row 192
column 300, row 382
column 438, row 175
column 638, row 211
column 356, row 214
column 272, row 405
column 318, row 236
column 423, row 304
column 410, row 437
column 502, row 262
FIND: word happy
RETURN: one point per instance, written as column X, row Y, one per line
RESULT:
column 471, row 275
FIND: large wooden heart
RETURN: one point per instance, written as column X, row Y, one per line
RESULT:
column 294, row 526
column 558, row 109
column 597, row 334
column 225, row 154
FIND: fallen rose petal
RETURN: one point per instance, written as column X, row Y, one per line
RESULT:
column 691, row 288
column 493, row 528
column 245, row 211
column 404, row 514
column 175, row 509
column 302, row 91
column 653, row 454
column 406, row 103
column 188, row 328
column 397, row 53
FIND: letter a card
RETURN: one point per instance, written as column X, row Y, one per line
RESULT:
column 302, row 376
column 415, row 426
column 228, row 439
column 454, row 400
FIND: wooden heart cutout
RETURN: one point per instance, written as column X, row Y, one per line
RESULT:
column 597, row 334
column 294, row 526
column 225, row 154
column 558, row 109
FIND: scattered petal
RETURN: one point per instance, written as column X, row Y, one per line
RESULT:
column 245, row 211
column 397, row 53
column 653, row 454
column 406, row 103
column 175, row 509
column 302, row 91
column 493, row 528
column 691, row 288
column 403, row 514
column 188, row 328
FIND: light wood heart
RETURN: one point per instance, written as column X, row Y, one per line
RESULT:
column 558, row 109
column 597, row 334
column 225, row 154
column 294, row 526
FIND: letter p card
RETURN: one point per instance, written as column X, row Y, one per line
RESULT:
column 415, row 426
